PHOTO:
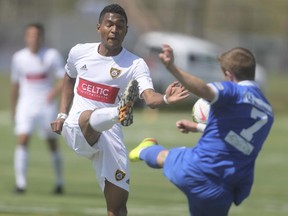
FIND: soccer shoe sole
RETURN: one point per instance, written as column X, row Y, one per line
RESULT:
column 126, row 103
column 134, row 154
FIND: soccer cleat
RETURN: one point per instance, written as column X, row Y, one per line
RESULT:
column 125, row 105
column 18, row 190
column 134, row 154
column 58, row 190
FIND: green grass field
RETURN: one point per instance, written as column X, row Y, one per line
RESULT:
column 151, row 194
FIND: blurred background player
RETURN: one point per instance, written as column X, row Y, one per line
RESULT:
column 219, row 170
column 36, row 74
column 97, row 74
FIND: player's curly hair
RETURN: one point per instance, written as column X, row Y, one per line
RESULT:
column 240, row 61
column 113, row 8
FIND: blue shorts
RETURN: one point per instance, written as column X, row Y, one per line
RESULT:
column 205, row 197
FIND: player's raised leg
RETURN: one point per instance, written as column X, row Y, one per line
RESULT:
column 93, row 122
column 104, row 118
column 149, row 151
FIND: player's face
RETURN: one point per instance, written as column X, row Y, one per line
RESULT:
column 33, row 39
column 112, row 29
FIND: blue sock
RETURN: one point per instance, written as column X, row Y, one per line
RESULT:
column 149, row 155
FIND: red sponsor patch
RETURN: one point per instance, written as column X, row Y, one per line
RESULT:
column 97, row 92
column 39, row 76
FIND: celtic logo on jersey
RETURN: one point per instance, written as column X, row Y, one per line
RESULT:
column 119, row 175
column 114, row 72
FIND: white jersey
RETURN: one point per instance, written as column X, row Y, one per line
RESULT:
column 101, row 79
column 36, row 73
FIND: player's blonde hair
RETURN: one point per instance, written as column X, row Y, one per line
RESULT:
column 239, row 61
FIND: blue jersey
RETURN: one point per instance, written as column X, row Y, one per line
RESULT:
column 239, row 121
column 219, row 169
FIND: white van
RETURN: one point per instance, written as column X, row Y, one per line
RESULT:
column 192, row 54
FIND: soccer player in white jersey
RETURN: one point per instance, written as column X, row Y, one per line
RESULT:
column 219, row 170
column 36, row 75
column 96, row 75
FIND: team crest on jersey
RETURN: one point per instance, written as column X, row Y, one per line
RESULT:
column 119, row 175
column 114, row 72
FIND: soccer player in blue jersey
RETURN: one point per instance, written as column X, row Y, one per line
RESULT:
column 219, row 170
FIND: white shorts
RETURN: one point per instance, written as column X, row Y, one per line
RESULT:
column 109, row 155
column 29, row 117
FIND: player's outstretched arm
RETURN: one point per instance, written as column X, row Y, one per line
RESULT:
column 175, row 92
column 190, row 82
column 66, row 101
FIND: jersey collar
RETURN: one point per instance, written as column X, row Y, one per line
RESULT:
column 248, row 83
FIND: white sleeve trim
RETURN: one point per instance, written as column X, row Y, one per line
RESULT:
column 215, row 90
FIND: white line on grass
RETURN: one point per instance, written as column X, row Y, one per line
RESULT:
column 27, row 209
column 145, row 210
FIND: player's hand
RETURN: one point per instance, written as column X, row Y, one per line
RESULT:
column 176, row 92
column 57, row 125
column 167, row 56
column 186, row 126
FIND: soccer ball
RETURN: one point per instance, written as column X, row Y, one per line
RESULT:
column 200, row 111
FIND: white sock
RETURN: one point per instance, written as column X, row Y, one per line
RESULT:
column 20, row 166
column 57, row 165
column 104, row 118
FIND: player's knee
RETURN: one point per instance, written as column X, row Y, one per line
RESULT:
column 84, row 118
column 162, row 157
column 90, row 135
